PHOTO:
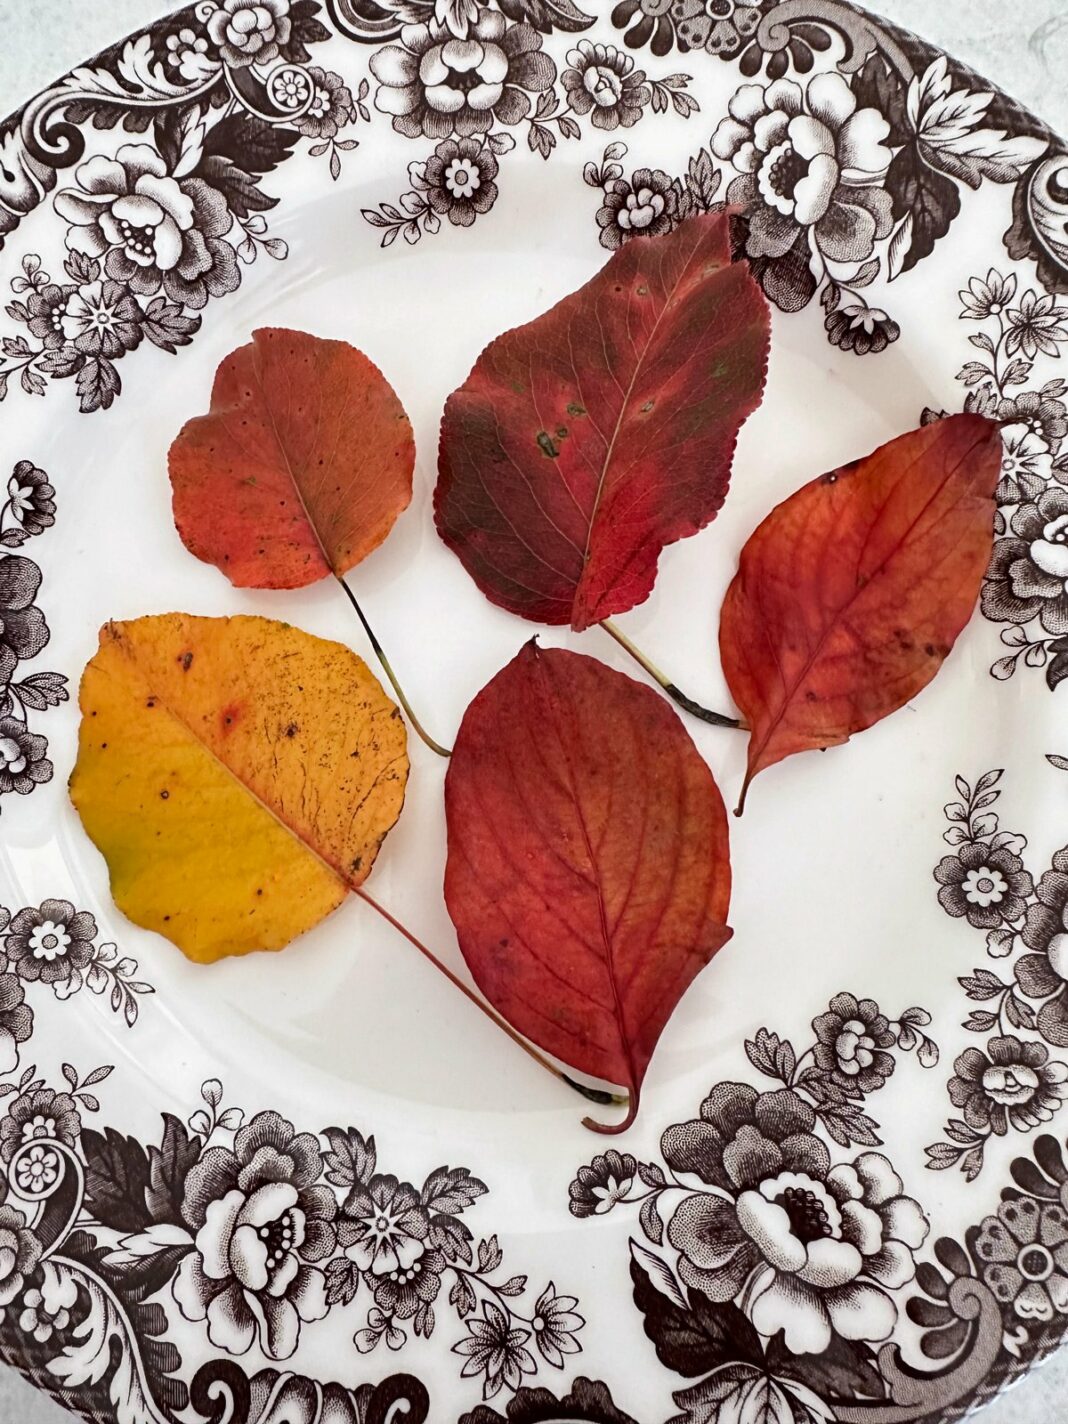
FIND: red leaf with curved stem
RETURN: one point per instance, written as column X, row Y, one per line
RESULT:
column 852, row 592
column 585, row 441
column 588, row 873
column 300, row 467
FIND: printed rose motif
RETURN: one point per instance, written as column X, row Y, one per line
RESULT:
column 187, row 52
column 555, row 1323
column 31, row 498
column 437, row 85
column 458, row 180
column 602, row 82
column 982, row 300
column 496, row 1348
column 259, row 1219
column 384, row 1227
column 38, row 1115
column 47, row 307
column 250, row 31
column 990, row 887
column 16, row 1017
column 46, row 1309
column 331, row 107
column 1043, row 974
column 1028, row 573
column 644, row 207
column 600, row 1186
column 1013, row 1085
column 1026, row 1248
column 1044, row 417
column 401, row 1292
column 721, row 27
column 37, row 1170
column 23, row 631
column 23, row 764
column 852, row 1039
column 861, row 329
column 50, row 943
column 1026, row 462
column 20, row 1253
column 820, row 1247
column 102, row 319
column 154, row 229
column 1037, row 324
column 810, row 162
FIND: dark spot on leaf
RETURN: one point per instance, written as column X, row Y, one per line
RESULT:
column 186, row 661
column 561, row 432
column 150, row 703
column 647, row 407
column 292, row 729
column 164, row 795
column 643, row 291
column 357, row 862
column 810, row 696
column 545, row 441
column 574, row 409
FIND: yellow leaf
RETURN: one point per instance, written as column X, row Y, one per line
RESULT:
column 237, row 775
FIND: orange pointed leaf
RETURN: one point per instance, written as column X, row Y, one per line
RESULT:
column 300, row 467
column 853, row 591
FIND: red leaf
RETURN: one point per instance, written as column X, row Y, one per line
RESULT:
column 852, row 592
column 300, row 467
column 585, row 441
column 588, row 873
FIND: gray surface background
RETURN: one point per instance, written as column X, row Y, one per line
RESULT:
column 1023, row 44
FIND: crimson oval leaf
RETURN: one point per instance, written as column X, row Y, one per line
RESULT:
column 588, row 871
column 300, row 467
column 585, row 441
column 852, row 592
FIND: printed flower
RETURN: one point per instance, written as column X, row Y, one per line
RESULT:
column 154, row 229
column 331, row 107
column 37, row 1170
column 861, row 329
column 435, row 84
column 384, row 1226
column 30, row 498
column 606, row 1181
column 644, row 207
column 103, row 319
column 16, row 1018
column 39, row 1114
column 400, row 1292
column 46, row 306
column 809, row 160
column 259, row 1219
column 852, row 1038
column 821, row 1247
column 555, row 1323
column 1028, row 571
column 23, row 764
column 1037, row 324
column 1011, row 1085
column 653, row 24
column 1043, row 974
column 719, row 26
column 496, row 1349
column 50, row 943
column 1026, row 1248
column 982, row 300
column 1044, row 417
column 20, row 1253
column 988, row 886
column 187, row 52
column 1026, row 463
column 46, row 1308
column 605, row 81
column 458, row 180
column 250, row 31
column 23, row 631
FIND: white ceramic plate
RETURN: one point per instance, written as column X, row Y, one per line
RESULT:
column 275, row 161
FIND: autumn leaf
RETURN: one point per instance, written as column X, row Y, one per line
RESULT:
column 585, row 441
column 852, row 592
column 300, row 467
column 588, row 871
column 238, row 776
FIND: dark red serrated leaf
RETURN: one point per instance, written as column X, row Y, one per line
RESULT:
column 588, row 871
column 852, row 592
column 585, row 441
column 300, row 467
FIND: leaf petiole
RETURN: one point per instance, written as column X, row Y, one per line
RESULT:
column 596, row 1095
column 423, row 734
column 717, row 719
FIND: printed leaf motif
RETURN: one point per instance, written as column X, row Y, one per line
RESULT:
column 588, row 872
column 852, row 592
column 584, row 442
column 300, row 467
column 229, row 818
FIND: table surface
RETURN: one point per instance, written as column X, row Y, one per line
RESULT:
column 1022, row 45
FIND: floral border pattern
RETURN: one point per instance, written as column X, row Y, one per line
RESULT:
column 777, row 1283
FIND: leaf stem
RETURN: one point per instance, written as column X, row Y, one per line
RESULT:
column 594, row 1095
column 424, row 735
column 695, row 709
